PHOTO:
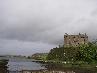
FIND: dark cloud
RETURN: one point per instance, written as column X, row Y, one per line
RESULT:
column 46, row 21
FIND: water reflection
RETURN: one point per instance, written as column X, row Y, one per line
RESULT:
column 19, row 66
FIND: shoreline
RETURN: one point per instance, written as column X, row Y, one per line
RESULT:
column 46, row 71
column 3, row 66
column 77, row 68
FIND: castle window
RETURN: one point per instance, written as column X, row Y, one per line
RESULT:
column 75, row 41
column 74, row 37
column 82, row 36
column 65, row 36
column 84, row 40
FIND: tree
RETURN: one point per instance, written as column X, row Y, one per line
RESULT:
column 87, row 53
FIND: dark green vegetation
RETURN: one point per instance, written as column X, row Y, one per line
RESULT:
column 82, row 56
column 3, row 66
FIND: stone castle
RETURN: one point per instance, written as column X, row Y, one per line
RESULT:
column 75, row 40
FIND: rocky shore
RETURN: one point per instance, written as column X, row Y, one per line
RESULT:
column 45, row 71
column 3, row 66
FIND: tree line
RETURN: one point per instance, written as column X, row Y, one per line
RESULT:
column 86, row 53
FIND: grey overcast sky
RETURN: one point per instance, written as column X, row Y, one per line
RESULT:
column 30, row 26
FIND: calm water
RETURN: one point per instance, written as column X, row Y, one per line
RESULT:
column 23, row 64
column 19, row 64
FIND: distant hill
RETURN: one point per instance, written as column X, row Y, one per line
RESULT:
column 39, row 56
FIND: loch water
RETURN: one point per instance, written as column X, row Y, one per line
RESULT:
column 17, row 65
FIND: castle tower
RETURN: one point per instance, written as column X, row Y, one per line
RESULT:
column 75, row 40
